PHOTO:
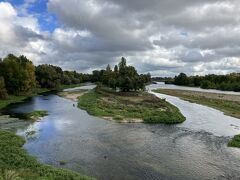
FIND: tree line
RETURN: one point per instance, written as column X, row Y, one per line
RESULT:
column 122, row 77
column 18, row 76
column 229, row 82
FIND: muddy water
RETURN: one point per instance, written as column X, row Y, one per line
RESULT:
column 103, row 149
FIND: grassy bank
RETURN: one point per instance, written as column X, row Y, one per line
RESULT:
column 12, row 99
column 229, row 104
column 15, row 162
column 129, row 107
column 34, row 115
column 235, row 142
column 18, row 99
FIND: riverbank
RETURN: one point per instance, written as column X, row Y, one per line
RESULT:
column 12, row 99
column 129, row 107
column 16, row 163
column 227, row 103
column 72, row 95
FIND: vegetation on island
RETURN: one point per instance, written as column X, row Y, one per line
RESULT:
column 235, row 142
column 15, row 163
column 129, row 106
column 122, row 77
column 229, row 82
column 227, row 103
column 120, row 96
column 34, row 115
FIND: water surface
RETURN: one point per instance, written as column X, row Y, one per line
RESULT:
column 195, row 149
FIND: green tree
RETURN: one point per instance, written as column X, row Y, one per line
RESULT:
column 18, row 73
column 181, row 79
column 116, row 69
column 3, row 91
column 49, row 76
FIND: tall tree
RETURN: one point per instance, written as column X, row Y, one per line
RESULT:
column 18, row 73
column 3, row 91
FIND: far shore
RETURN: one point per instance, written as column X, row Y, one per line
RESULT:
column 227, row 103
column 72, row 95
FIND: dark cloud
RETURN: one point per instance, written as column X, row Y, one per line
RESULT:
column 157, row 36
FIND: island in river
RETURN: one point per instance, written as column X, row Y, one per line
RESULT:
column 126, row 107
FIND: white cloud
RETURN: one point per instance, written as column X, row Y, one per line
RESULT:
column 157, row 36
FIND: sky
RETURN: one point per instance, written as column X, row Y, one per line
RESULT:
column 157, row 36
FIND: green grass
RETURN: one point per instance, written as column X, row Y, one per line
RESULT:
column 16, row 163
column 229, row 107
column 235, row 142
column 106, row 103
column 12, row 99
column 34, row 115
column 18, row 99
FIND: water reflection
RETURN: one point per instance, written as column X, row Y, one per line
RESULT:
column 201, row 117
column 104, row 149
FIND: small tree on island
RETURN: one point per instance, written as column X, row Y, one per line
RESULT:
column 123, row 77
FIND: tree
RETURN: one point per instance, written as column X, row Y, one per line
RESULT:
column 3, row 91
column 48, row 76
column 122, row 64
column 123, row 77
column 18, row 73
column 181, row 79
column 108, row 68
column 116, row 69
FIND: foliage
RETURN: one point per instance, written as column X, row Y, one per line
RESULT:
column 123, row 77
column 49, row 76
column 229, row 82
column 14, row 161
column 235, row 142
column 3, row 91
column 18, row 73
column 11, row 99
column 34, row 115
column 53, row 77
column 181, row 79
column 19, row 77
column 105, row 102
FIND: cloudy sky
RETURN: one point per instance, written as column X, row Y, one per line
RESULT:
column 163, row 37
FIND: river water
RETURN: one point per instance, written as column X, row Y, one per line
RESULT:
column 196, row 149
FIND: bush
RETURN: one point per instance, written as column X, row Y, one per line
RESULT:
column 235, row 142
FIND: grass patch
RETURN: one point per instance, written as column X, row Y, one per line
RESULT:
column 34, row 115
column 235, row 142
column 12, row 99
column 104, row 102
column 229, row 104
column 16, row 162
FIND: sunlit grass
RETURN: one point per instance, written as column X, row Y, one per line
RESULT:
column 130, row 105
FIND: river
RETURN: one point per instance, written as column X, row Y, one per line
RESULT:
column 196, row 149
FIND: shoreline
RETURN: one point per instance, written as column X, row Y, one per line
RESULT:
column 129, row 107
column 227, row 103
column 11, row 147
